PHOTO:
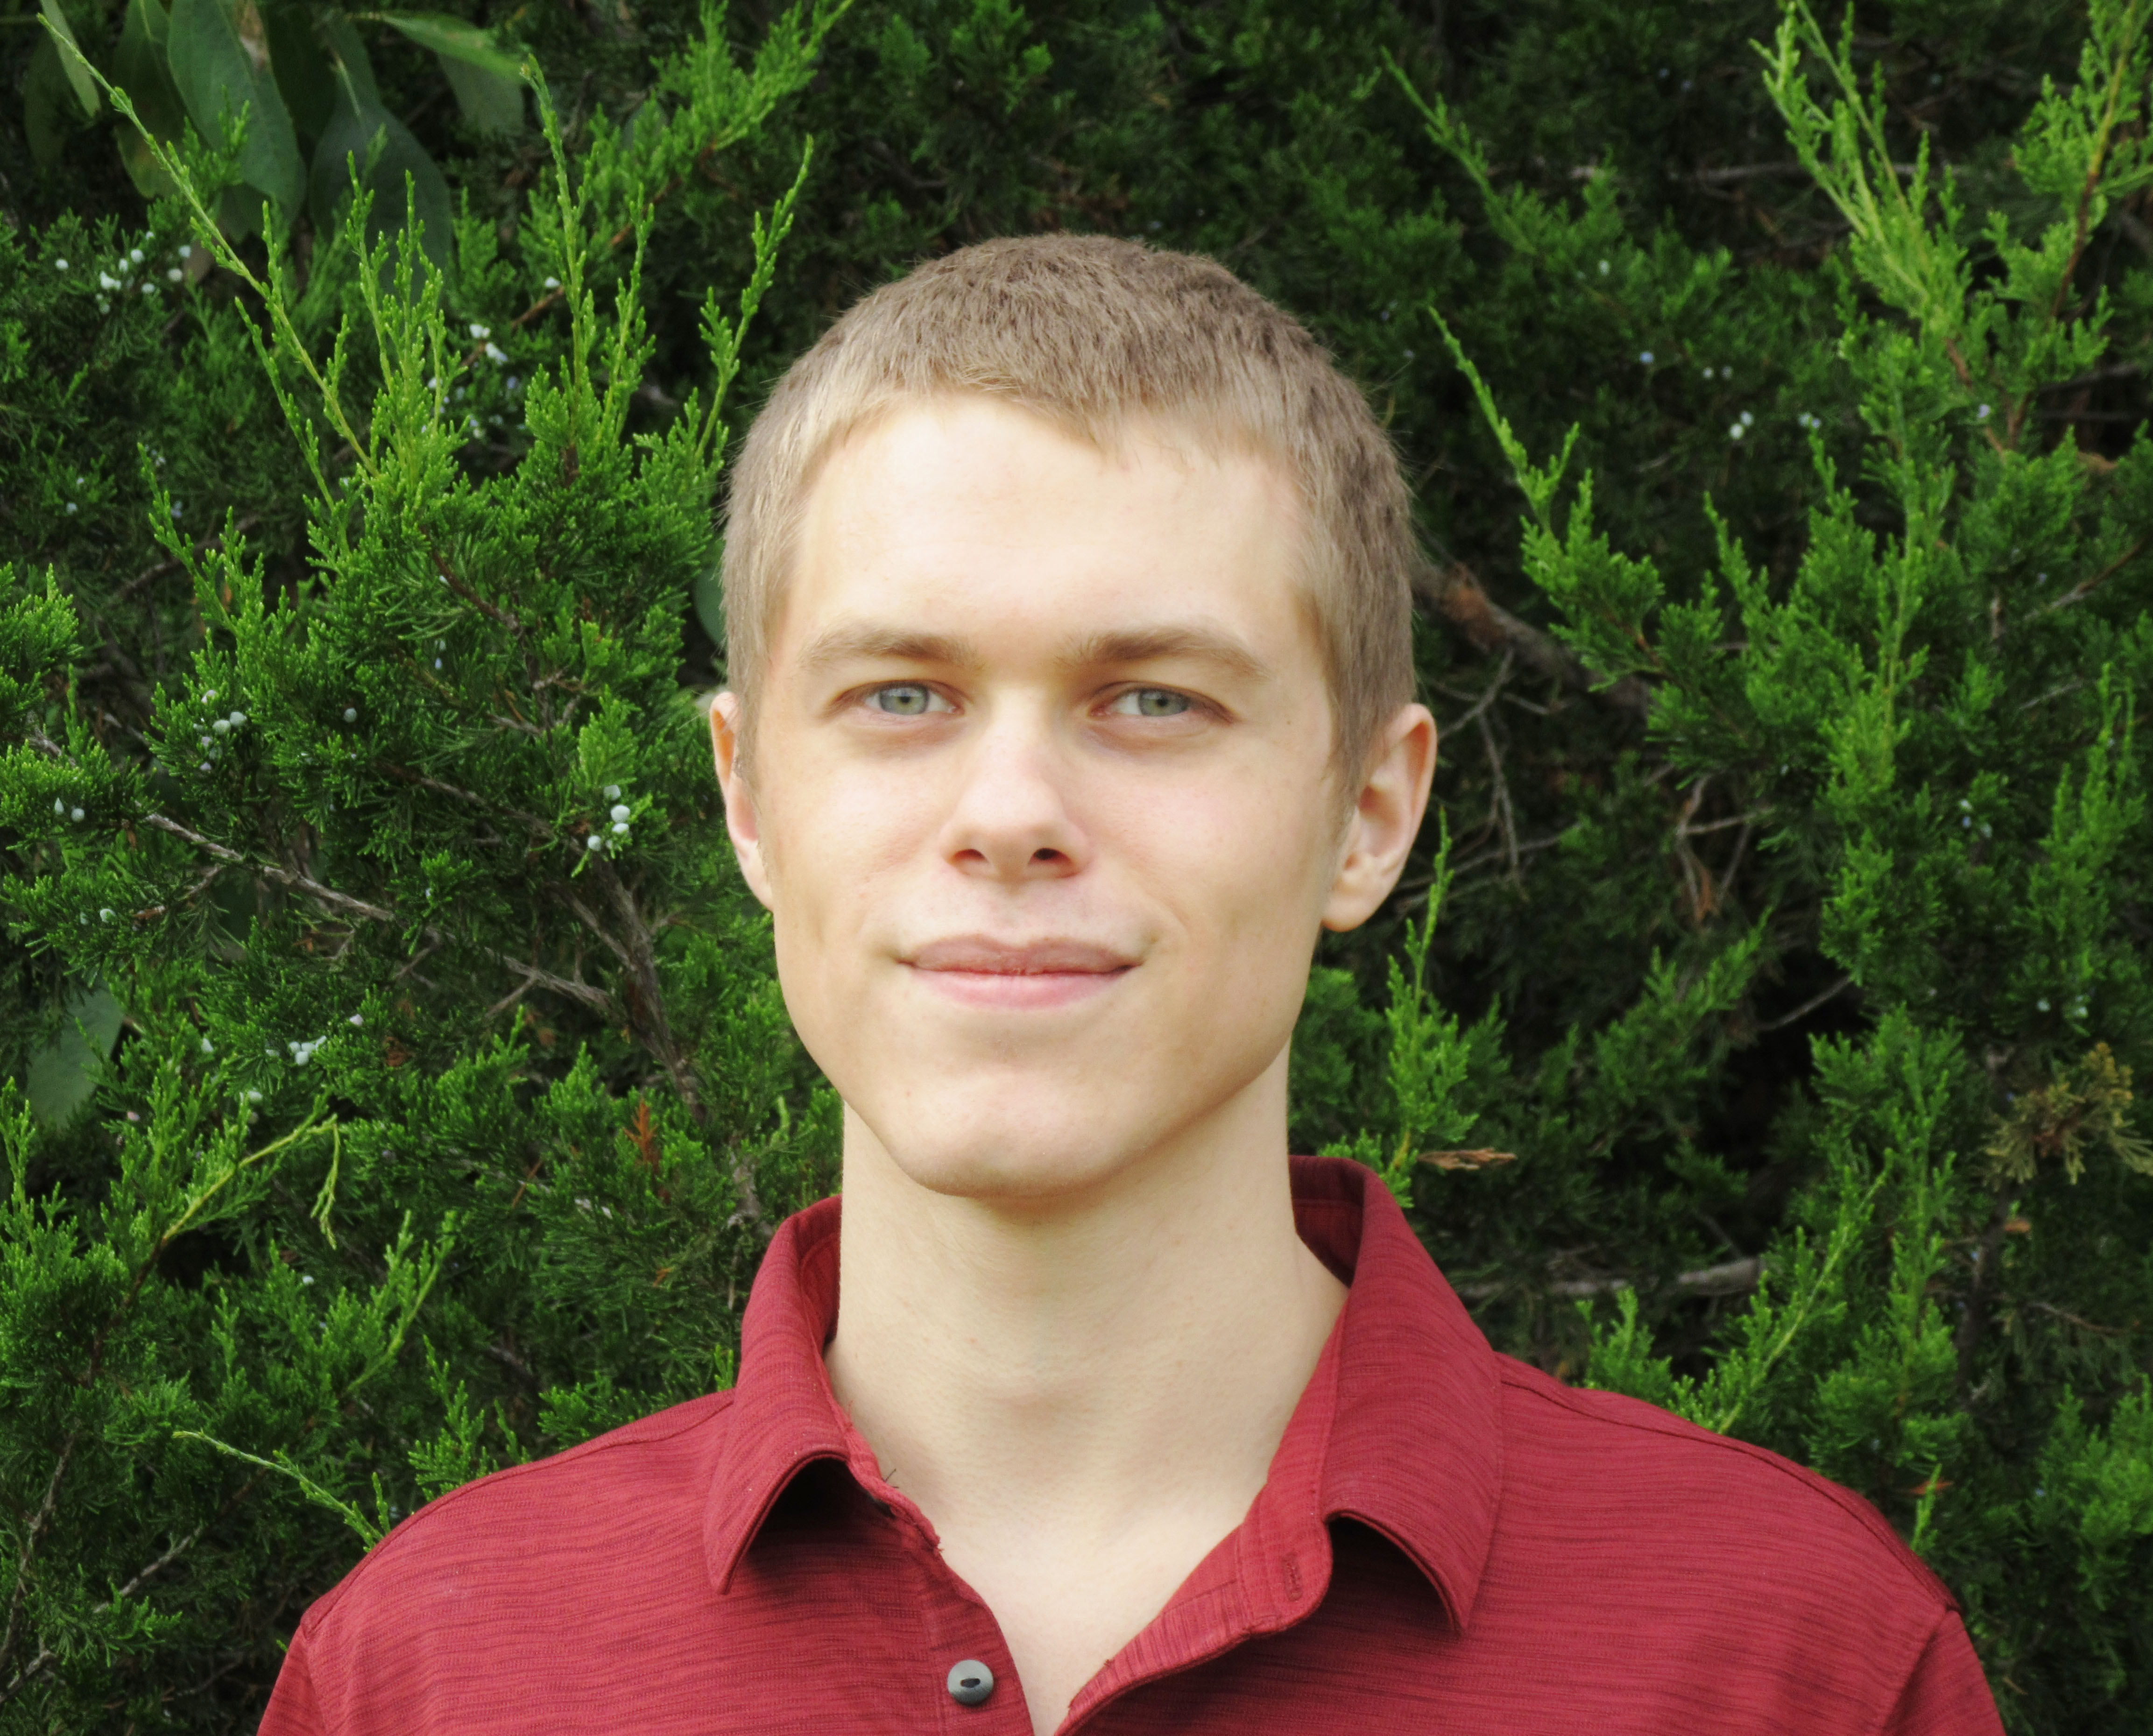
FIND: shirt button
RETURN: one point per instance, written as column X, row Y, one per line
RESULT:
column 970, row 1682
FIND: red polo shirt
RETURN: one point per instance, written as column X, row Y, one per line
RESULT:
column 1449, row 1541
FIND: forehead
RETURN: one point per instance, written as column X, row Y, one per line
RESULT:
column 983, row 514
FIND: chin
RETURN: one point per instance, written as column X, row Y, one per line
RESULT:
column 1007, row 1153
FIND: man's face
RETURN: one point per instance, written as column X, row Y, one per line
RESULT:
column 1042, row 798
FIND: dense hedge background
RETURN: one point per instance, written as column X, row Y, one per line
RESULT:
column 403, row 1087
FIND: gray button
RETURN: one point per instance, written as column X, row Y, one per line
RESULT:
column 970, row 1682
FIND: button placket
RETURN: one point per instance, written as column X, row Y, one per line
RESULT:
column 975, row 1681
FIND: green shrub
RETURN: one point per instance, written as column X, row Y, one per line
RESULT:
column 386, row 1113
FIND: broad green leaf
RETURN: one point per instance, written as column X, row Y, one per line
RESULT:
column 77, row 75
column 451, row 39
column 61, row 1076
column 349, row 52
column 304, row 77
column 709, row 600
column 491, row 102
column 138, row 67
column 48, row 113
column 365, row 140
column 216, row 78
column 143, row 168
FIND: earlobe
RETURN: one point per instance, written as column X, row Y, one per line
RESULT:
column 743, row 824
column 1386, row 818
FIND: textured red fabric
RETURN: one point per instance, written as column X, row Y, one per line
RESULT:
column 1449, row 1540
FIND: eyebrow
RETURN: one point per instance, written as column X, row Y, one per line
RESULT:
column 1155, row 644
column 868, row 641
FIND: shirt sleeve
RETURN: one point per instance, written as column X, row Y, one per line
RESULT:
column 1947, row 1694
column 291, row 1709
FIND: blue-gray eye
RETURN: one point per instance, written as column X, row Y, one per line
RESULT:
column 905, row 698
column 1151, row 702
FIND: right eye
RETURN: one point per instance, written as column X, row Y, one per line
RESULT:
column 906, row 699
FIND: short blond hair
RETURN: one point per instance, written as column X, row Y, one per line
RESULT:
column 1092, row 334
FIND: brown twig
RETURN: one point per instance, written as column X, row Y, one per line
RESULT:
column 1498, row 802
column 149, row 574
column 1482, row 1157
column 1456, row 594
column 1761, row 171
column 500, row 617
column 1499, row 851
column 35, row 1531
column 1691, row 830
column 1733, row 1277
column 1808, row 1006
column 647, row 1007
column 1494, row 687
column 2081, row 1322
column 1741, row 853
column 1967, row 1340
column 574, row 988
column 271, row 871
column 404, row 774
column 46, row 1656
column 2086, row 586
column 1695, row 877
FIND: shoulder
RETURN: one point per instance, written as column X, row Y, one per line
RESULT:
column 509, row 1534
column 1677, row 1500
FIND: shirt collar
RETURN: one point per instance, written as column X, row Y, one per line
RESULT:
column 1398, row 1428
column 1415, row 1443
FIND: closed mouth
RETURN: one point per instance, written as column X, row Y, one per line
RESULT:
column 981, row 955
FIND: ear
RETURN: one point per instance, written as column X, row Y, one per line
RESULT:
column 1386, row 818
column 742, row 822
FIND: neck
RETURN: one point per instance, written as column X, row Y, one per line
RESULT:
column 1059, row 1372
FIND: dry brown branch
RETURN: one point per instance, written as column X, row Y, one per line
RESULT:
column 271, row 871
column 28, row 1555
column 1733, row 1277
column 1494, row 688
column 404, row 774
column 2085, row 587
column 46, row 1656
column 2080, row 1321
column 1454, row 593
column 1499, row 814
column 1808, row 1006
column 1480, row 1158
column 574, row 988
column 149, row 574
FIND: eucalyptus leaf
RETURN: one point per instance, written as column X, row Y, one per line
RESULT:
column 48, row 113
column 216, row 78
column 138, row 67
column 347, row 50
column 363, row 140
column 78, row 75
column 150, row 176
column 491, row 102
column 63, row 1074
column 453, row 40
column 304, row 76
column 709, row 598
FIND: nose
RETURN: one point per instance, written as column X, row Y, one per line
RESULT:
column 1011, row 821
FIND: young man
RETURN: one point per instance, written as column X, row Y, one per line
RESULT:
column 1068, row 620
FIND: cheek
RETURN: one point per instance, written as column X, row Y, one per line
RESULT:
column 1247, row 877
column 830, row 842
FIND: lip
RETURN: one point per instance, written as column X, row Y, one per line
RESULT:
column 979, row 970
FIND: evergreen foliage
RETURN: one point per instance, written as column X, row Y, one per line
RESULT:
column 401, row 1086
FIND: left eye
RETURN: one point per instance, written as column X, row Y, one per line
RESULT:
column 906, row 699
column 1150, row 702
